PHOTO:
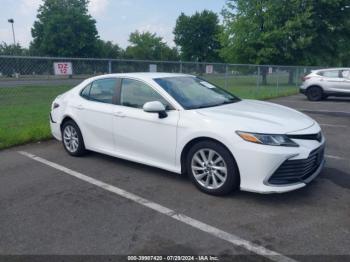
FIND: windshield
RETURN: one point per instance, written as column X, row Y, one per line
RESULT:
column 192, row 92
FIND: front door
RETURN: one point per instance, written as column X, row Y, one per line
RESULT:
column 142, row 136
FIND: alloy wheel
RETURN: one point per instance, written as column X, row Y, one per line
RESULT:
column 70, row 138
column 209, row 168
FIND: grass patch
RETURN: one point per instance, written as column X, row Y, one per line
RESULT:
column 246, row 86
column 24, row 113
column 24, row 110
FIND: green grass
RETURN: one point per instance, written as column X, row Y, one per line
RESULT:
column 24, row 110
column 24, row 113
column 246, row 86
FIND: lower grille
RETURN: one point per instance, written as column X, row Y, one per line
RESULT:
column 293, row 171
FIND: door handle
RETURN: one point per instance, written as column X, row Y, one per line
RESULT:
column 119, row 114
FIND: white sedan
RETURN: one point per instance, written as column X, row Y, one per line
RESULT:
column 184, row 124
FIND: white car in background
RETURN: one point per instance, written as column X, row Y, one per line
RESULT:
column 320, row 84
column 184, row 124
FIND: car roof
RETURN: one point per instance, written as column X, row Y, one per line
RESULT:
column 330, row 69
column 143, row 75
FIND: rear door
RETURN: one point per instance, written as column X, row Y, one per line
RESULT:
column 346, row 80
column 95, row 114
column 334, row 81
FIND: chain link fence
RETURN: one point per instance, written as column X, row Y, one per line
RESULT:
column 29, row 84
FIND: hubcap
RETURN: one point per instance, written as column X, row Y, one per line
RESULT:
column 209, row 168
column 70, row 139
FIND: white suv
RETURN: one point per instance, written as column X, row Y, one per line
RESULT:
column 320, row 84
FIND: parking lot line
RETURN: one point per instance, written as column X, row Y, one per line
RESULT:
column 218, row 233
column 335, row 157
column 332, row 125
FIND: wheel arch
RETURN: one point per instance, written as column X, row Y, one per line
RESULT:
column 192, row 142
column 315, row 85
column 67, row 118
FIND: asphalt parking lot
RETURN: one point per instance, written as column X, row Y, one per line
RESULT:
column 49, row 208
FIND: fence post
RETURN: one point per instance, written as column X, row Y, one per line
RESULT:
column 180, row 66
column 277, row 81
column 226, row 76
column 258, row 79
column 109, row 67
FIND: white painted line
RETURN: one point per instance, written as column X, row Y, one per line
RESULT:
column 335, row 157
column 331, row 125
column 233, row 239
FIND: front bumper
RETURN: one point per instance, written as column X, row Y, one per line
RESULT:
column 258, row 163
column 300, row 170
column 302, row 91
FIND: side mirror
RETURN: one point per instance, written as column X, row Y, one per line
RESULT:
column 155, row 107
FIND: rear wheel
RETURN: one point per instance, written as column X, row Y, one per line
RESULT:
column 72, row 139
column 212, row 168
column 314, row 93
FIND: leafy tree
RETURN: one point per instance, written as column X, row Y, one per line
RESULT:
column 12, row 49
column 149, row 46
column 197, row 36
column 106, row 49
column 64, row 28
column 331, row 40
column 286, row 32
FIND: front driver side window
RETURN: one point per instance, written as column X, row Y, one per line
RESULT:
column 136, row 93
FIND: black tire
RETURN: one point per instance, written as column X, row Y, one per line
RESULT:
column 314, row 93
column 80, row 149
column 232, row 181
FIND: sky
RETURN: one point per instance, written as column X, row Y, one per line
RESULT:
column 116, row 19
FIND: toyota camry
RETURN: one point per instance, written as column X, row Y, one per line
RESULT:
column 187, row 125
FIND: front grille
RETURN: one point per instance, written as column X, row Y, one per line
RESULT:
column 293, row 171
column 317, row 137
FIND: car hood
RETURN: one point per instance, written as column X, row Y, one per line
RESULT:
column 259, row 116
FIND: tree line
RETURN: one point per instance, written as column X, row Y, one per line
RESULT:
column 284, row 32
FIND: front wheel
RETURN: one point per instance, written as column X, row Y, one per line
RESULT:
column 72, row 139
column 212, row 168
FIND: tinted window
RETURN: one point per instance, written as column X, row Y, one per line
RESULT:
column 331, row 74
column 192, row 92
column 86, row 92
column 135, row 94
column 103, row 90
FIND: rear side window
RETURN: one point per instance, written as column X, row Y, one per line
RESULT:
column 86, row 92
column 103, row 90
column 331, row 74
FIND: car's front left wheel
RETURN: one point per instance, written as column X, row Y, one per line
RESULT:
column 212, row 168
column 72, row 139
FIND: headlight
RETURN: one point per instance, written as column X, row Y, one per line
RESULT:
column 266, row 139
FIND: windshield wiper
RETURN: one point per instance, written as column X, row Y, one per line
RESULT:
column 230, row 101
